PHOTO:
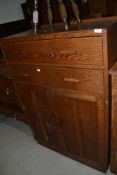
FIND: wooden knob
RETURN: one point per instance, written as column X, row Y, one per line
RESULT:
column 38, row 70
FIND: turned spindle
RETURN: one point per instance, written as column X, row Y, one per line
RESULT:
column 63, row 13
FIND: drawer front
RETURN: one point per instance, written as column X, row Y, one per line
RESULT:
column 86, row 51
column 68, row 78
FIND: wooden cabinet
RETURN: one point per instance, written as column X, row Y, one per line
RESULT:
column 9, row 100
column 62, row 80
column 66, row 120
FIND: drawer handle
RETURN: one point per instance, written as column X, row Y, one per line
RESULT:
column 72, row 80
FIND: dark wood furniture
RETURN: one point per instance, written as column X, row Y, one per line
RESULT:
column 9, row 99
column 88, row 9
column 62, row 80
column 113, row 73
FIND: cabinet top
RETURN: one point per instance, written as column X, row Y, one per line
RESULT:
column 88, row 27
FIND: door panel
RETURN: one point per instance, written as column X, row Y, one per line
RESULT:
column 79, row 121
column 66, row 120
column 40, row 113
column 46, row 113
column 28, row 101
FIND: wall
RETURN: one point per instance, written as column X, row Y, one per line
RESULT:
column 10, row 10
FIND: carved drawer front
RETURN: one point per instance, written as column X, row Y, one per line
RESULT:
column 68, row 78
column 74, row 51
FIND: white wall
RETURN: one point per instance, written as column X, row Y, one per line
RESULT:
column 10, row 10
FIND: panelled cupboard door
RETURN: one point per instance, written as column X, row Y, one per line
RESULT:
column 40, row 113
column 80, row 118
column 67, row 120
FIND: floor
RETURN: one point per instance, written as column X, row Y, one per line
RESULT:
column 21, row 155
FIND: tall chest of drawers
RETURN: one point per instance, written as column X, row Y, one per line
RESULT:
column 63, row 82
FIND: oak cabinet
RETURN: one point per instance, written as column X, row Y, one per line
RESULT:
column 65, row 120
column 9, row 99
column 64, row 87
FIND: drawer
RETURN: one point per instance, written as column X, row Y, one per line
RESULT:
column 68, row 78
column 74, row 51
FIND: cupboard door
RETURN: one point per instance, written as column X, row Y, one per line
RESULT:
column 67, row 121
column 81, row 120
column 28, row 100
column 40, row 113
